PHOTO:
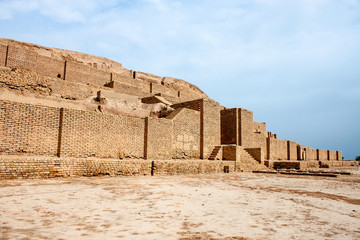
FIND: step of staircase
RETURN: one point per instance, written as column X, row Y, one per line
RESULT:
column 214, row 153
column 249, row 163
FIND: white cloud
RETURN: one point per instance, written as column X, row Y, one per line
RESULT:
column 63, row 11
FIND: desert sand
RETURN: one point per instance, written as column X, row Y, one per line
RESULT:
column 220, row 206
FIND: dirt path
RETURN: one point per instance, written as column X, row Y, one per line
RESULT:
column 222, row 206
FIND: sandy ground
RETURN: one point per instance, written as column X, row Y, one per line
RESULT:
column 221, row 206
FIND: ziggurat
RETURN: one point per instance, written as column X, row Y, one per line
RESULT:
column 64, row 113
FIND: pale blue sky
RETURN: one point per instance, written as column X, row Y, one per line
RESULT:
column 295, row 63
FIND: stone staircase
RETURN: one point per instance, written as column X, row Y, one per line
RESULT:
column 214, row 153
column 249, row 163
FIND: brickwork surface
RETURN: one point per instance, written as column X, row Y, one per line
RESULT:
column 126, row 79
column 211, row 126
column 278, row 149
column 186, row 134
column 37, row 167
column 246, row 128
column 246, row 161
column 328, row 164
column 229, row 126
column 292, row 150
column 322, row 155
column 77, row 72
column 339, row 155
column 194, row 130
column 332, row 155
column 259, row 136
column 46, row 167
column 175, row 167
column 311, row 154
column 28, row 130
column 2, row 54
column 88, row 134
column 159, row 138
column 302, row 165
column 99, row 77
column 49, row 67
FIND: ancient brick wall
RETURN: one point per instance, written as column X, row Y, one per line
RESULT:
column 99, row 78
column 292, row 150
column 147, row 77
column 77, row 72
column 230, row 153
column 332, row 155
column 259, row 136
column 194, row 105
column 37, row 167
column 278, row 149
column 229, row 124
column 210, row 116
column 21, row 57
column 158, row 88
column 126, row 79
column 322, row 155
column 311, row 154
column 128, row 89
column 47, row 167
column 246, row 128
column 175, row 167
column 327, row 164
column 28, row 129
column 158, row 138
column 87, row 134
column 46, row 66
column 339, row 155
column 186, row 134
column 3, row 52
column 49, row 67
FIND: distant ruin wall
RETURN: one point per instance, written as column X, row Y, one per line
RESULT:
column 3, row 54
column 186, row 134
column 175, row 167
column 77, row 72
column 300, row 165
column 47, row 167
column 158, row 88
column 127, row 82
column 339, row 155
column 278, row 149
column 124, row 79
column 28, row 130
column 292, row 150
column 332, row 155
column 37, row 167
column 311, row 154
column 46, row 66
column 323, row 155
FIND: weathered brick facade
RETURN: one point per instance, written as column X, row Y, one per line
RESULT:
column 186, row 134
column 3, row 55
column 28, row 130
column 90, row 142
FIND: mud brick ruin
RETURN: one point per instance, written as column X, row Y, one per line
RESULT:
column 64, row 113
